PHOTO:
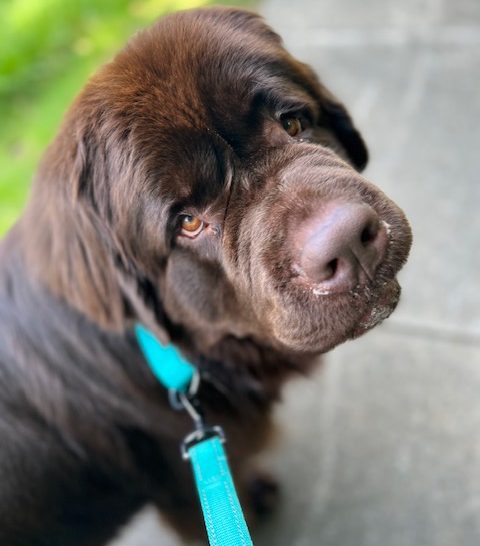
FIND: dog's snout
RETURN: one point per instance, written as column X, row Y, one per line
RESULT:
column 341, row 246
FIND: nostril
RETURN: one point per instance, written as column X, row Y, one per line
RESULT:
column 369, row 233
column 331, row 269
column 323, row 272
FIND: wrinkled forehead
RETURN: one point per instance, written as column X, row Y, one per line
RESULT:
column 212, row 65
column 195, row 90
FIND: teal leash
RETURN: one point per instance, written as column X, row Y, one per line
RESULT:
column 222, row 513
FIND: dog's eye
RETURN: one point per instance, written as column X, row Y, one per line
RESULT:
column 191, row 226
column 292, row 125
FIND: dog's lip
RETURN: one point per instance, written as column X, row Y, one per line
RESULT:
column 381, row 299
column 356, row 312
column 381, row 307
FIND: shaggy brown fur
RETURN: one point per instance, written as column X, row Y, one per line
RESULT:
column 186, row 120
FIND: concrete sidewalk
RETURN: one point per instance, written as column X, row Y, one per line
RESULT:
column 383, row 447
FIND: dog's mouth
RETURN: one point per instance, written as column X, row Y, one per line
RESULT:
column 312, row 321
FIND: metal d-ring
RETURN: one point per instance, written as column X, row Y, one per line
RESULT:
column 194, row 384
column 198, row 436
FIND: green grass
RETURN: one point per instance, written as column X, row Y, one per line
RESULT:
column 48, row 49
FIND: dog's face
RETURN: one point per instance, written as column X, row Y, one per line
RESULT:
column 220, row 179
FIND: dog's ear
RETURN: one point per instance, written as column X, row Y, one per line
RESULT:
column 335, row 118
column 65, row 242
column 70, row 236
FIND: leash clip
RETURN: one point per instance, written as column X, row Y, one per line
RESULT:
column 187, row 401
column 201, row 432
column 180, row 400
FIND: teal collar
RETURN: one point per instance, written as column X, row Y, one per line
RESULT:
column 167, row 365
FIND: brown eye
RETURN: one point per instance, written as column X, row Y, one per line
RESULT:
column 191, row 225
column 292, row 125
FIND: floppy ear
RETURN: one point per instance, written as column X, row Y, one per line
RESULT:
column 335, row 118
column 339, row 122
column 71, row 242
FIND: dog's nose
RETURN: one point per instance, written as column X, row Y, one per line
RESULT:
column 341, row 246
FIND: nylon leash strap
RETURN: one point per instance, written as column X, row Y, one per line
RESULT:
column 222, row 512
column 221, row 508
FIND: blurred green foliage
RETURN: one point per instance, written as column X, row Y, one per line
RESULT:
column 48, row 48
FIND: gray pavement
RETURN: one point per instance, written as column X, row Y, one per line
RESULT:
column 382, row 447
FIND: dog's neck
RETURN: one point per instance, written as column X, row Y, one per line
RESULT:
column 106, row 375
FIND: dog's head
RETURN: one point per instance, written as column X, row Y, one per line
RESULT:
column 209, row 177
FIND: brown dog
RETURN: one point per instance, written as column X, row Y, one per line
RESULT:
column 205, row 184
